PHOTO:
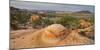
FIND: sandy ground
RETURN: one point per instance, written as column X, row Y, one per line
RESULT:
column 19, row 33
column 25, row 39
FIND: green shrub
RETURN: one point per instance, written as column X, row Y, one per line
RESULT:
column 42, row 22
column 91, row 20
column 19, row 18
column 22, row 18
column 36, row 23
column 69, row 22
column 47, row 21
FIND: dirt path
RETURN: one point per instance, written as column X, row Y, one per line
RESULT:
column 19, row 33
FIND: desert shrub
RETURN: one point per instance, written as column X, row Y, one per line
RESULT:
column 91, row 20
column 47, row 21
column 69, row 22
column 18, row 18
column 23, row 18
column 36, row 23
column 86, row 22
column 41, row 23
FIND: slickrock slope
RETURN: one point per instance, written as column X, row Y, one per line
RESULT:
column 53, row 35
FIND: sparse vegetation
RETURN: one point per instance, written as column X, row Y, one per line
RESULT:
column 77, row 26
column 69, row 22
column 19, row 17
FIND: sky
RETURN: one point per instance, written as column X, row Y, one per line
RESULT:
column 30, row 5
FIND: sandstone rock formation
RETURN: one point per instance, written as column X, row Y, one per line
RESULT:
column 53, row 35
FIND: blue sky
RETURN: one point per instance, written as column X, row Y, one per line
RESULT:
column 30, row 5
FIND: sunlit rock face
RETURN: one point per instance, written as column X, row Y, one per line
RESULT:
column 58, row 35
column 54, row 33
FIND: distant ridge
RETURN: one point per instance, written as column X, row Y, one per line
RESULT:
column 88, row 12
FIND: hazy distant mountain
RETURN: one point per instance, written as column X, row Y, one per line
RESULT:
column 88, row 12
